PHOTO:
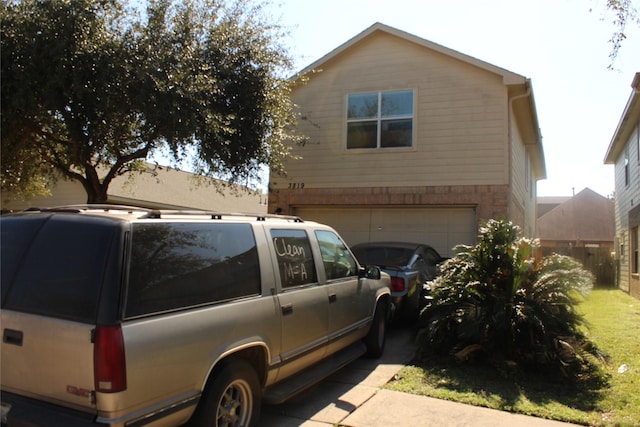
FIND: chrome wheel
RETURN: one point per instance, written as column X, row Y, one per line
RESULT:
column 235, row 405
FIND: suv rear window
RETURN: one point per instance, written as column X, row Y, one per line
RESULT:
column 179, row 265
column 60, row 274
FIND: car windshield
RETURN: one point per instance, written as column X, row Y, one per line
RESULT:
column 383, row 256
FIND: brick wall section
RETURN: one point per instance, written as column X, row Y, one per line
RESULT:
column 490, row 201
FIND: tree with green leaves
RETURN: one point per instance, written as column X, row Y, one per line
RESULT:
column 91, row 88
column 500, row 300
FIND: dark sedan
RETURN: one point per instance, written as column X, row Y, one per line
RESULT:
column 410, row 266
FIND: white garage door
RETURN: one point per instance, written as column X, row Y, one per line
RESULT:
column 443, row 228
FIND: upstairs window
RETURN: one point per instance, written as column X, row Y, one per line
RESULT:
column 380, row 120
column 626, row 166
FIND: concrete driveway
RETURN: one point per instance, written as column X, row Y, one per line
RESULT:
column 352, row 397
column 334, row 399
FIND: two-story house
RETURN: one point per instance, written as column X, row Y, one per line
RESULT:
column 624, row 153
column 409, row 140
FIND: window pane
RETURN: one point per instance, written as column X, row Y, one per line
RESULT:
column 180, row 265
column 337, row 259
column 295, row 258
column 362, row 135
column 395, row 104
column 362, row 106
column 396, row 133
column 17, row 233
column 62, row 272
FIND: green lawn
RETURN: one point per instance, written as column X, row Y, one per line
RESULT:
column 614, row 319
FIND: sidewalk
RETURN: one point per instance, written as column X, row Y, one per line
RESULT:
column 353, row 397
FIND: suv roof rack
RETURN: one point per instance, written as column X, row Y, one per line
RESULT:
column 146, row 213
column 94, row 207
column 165, row 213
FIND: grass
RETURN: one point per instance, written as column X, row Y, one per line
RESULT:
column 614, row 325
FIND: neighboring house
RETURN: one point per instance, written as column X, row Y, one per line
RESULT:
column 159, row 187
column 581, row 227
column 409, row 140
column 584, row 220
column 545, row 204
column 624, row 153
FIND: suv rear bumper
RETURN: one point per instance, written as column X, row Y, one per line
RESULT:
column 18, row 411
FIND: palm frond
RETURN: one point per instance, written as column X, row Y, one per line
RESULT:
column 500, row 297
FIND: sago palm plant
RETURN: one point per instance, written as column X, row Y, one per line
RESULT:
column 499, row 299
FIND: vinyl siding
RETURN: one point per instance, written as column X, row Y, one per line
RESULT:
column 522, row 184
column 627, row 197
column 460, row 121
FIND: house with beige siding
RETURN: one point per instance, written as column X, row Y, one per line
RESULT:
column 624, row 154
column 409, row 140
column 156, row 187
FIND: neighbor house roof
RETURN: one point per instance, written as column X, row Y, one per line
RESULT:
column 627, row 123
column 156, row 187
column 545, row 204
column 587, row 216
column 521, row 96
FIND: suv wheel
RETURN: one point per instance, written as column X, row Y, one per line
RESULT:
column 377, row 336
column 232, row 398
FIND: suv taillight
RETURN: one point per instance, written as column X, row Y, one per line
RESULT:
column 108, row 359
column 397, row 284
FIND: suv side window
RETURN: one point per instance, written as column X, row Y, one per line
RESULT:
column 295, row 259
column 60, row 275
column 179, row 265
column 338, row 261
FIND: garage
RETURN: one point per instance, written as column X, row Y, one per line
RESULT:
column 441, row 227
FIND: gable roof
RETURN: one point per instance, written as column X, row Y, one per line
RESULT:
column 627, row 123
column 508, row 77
column 545, row 204
column 521, row 97
column 587, row 216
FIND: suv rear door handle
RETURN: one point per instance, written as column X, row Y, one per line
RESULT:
column 333, row 298
column 13, row 337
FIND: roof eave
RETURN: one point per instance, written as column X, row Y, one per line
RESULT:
column 508, row 77
column 623, row 129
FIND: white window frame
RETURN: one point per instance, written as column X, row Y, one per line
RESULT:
column 379, row 120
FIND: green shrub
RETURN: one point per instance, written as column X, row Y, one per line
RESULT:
column 501, row 301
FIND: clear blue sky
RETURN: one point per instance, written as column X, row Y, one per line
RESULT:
column 561, row 45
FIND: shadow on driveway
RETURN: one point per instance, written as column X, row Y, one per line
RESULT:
column 332, row 400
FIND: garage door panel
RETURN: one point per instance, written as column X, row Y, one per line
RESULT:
column 441, row 227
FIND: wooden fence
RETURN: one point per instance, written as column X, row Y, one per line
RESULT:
column 598, row 261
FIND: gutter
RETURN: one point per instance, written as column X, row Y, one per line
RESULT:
column 510, row 143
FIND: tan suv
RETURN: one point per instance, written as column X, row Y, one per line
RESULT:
column 127, row 317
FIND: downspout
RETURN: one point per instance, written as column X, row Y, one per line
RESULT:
column 510, row 143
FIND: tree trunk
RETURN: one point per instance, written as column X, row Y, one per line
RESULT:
column 97, row 197
column 96, row 190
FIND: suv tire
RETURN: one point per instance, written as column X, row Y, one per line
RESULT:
column 377, row 336
column 231, row 398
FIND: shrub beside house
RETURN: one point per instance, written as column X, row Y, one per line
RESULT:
column 410, row 140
